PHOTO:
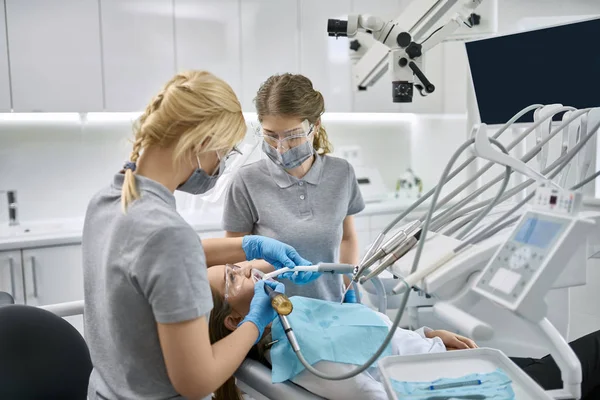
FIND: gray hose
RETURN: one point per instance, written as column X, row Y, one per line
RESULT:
column 557, row 169
column 461, row 167
column 498, row 228
column 406, row 294
column 446, row 214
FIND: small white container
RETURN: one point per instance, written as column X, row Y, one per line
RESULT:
column 454, row 364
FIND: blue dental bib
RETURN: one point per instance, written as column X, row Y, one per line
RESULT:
column 326, row 331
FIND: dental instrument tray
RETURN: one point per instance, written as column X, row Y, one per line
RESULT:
column 455, row 364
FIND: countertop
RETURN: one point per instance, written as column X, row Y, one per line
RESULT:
column 31, row 234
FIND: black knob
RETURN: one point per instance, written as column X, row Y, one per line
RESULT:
column 403, row 39
column 414, row 50
column 355, row 45
column 474, row 19
column 402, row 62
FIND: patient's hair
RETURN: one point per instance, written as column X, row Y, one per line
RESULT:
column 217, row 331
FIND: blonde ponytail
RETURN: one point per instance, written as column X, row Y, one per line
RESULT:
column 192, row 107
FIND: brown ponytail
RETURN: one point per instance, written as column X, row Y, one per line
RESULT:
column 293, row 95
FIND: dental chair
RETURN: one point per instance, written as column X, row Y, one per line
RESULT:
column 42, row 356
column 254, row 379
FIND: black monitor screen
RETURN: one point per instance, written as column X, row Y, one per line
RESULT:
column 559, row 64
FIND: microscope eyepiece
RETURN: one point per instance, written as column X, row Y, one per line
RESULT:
column 337, row 27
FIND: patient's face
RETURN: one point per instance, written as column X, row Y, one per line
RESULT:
column 241, row 279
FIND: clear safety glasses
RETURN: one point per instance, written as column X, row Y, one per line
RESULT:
column 235, row 277
column 285, row 140
column 226, row 159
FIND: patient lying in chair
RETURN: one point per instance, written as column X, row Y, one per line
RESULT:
column 358, row 332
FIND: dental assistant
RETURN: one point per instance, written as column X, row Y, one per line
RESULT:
column 147, row 297
column 299, row 194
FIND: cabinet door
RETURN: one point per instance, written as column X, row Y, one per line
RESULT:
column 11, row 275
column 55, row 59
column 138, row 51
column 270, row 43
column 324, row 59
column 54, row 275
column 207, row 37
column 4, row 74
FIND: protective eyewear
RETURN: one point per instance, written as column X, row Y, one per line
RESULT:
column 235, row 277
column 226, row 159
column 288, row 139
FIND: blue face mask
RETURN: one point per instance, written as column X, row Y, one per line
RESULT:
column 291, row 158
column 200, row 182
column 326, row 331
column 495, row 385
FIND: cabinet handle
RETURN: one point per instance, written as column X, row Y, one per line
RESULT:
column 34, row 272
column 13, row 286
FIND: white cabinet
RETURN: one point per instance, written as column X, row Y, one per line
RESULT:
column 138, row 51
column 54, row 275
column 4, row 71
column 324, row 59
column 55, row 57
column 11, row 275
column 207, row 37
column 270, row 43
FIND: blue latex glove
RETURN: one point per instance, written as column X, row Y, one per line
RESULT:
column 261, row 312
column 350, row 296
column 272, row 251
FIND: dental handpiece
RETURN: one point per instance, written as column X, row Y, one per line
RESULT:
column 283, row 306
column 388, row 247
column 279, row 301
column 391, row 258
column 332, row 268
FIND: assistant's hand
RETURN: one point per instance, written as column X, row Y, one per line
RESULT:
column 261, row 312
column 452, row 341
column 273, row 251
column 350, row 296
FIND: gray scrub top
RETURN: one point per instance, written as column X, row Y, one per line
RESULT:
column 139, row 268
column 305, row 213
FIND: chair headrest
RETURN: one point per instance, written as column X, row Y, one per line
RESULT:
column 6, row 298
column 43, row 356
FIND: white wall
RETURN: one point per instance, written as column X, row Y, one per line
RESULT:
column 56, row 166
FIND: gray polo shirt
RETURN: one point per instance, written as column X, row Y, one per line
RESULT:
column 140, row 268
column 305, row 213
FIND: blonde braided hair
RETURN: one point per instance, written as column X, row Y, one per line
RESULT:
column 192, row 107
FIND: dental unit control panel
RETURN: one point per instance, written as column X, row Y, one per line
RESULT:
column 531, row 258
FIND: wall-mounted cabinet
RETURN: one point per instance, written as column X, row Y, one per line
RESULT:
column 108, row 55
column 55, row 58
column 4, row 74
column 138, row 51
column 207, row 37
column 270, row 43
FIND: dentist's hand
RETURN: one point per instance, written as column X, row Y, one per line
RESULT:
column 273, row 251
column 261, row 312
